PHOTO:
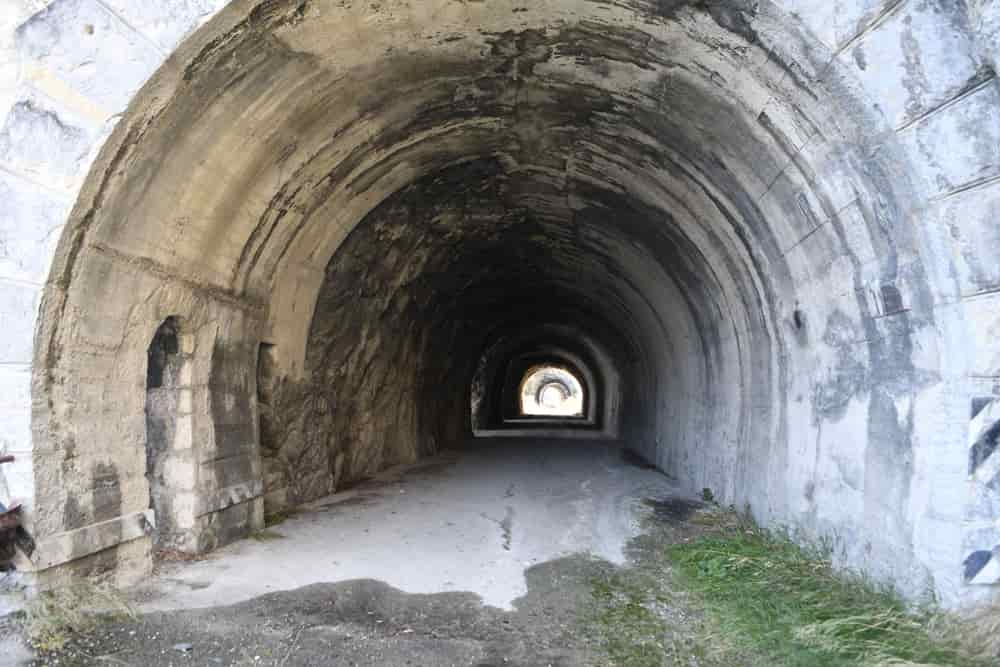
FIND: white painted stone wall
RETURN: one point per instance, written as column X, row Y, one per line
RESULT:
column 68, row 69
column 928, row 66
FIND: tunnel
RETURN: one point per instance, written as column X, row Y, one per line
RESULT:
column 325, row 239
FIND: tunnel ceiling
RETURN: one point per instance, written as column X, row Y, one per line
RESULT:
column 683, row 110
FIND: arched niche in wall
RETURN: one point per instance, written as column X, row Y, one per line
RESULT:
column 170, row 468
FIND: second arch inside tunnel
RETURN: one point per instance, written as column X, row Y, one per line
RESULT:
column 455, row 285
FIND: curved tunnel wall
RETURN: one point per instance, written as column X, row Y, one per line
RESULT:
column 783, row 214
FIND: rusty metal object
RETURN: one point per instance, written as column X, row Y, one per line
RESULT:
column 10, row 517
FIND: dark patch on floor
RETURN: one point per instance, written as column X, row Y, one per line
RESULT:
column 360, row 622
column 193, row 585
column 430, row 469
column 633, row 459
column 673, row 509
column 559, row 622
column 355, row 501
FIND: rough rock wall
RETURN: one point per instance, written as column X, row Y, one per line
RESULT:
column 408, row 303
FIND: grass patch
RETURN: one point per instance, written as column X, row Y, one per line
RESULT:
column 787, row 604
column 637, row 617
column 625, row 620
column 279, row 517
column 53, row 617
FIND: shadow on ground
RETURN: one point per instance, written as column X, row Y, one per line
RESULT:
column 362, row 622
column 565, row 619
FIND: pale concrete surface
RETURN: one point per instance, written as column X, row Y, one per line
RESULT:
column 14, row 651
column 472, row 521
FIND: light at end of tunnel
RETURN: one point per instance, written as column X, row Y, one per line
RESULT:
column 551, row 391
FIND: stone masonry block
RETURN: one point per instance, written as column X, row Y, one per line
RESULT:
column 166, row 23
column 182, row 435
column 18, row 306
column 915, row 60
column 185, row 401
column 970, row 219
column 983, row 318
column 835, row 23
column 44, row 143
column 15, row 388
column 959, row 145
column 80, row 41
column 30, row 224
column 178, row 473
column 985, row 20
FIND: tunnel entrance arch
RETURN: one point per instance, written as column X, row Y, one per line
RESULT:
column 705, row 242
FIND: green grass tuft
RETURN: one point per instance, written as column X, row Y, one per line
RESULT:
column 266, row 535
column 279, row 517
column 52, row 618
column 625, row 621
column 779, row 600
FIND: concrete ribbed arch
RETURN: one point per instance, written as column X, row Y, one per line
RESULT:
column 770, row 223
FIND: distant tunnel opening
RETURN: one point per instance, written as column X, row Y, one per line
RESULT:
column 550, row 391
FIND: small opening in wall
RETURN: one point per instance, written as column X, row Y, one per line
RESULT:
column 892, row 300
column 799, row 319
column 167, row 424
column 162, row 355
column 265, row 373
column 270, row 438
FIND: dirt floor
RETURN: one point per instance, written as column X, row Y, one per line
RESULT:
column 505, row 555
